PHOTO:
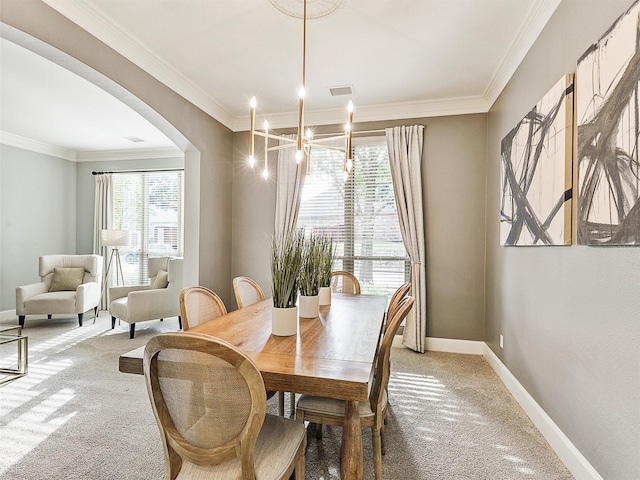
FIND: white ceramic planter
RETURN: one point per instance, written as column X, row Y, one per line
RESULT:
column 308, row 305
column 284, row 321
column 324, row 296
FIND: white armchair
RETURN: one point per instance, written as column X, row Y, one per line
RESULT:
column 58, row 291
column 158, row 300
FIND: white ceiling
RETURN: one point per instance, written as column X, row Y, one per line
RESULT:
column 404, row 59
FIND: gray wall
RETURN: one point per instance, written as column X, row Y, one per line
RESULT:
column 570, row 316
column 453, row 178
column 37, row 215
column 170, row 112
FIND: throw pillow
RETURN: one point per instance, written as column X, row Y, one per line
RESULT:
column 66, row 279
column 162, row 280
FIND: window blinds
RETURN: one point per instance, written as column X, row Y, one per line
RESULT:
column 360, row 214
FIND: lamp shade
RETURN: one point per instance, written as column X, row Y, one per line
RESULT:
column 115, row 238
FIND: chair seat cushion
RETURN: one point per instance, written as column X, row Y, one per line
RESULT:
column 332, row 407
column 118, row 308
column 52, row 302
column 278, row 442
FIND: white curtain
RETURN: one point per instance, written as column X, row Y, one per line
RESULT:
column 289, row 182
column 405, row 156
column 102, row 218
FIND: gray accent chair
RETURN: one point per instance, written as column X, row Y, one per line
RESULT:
column 140, row 303
column 36, row 299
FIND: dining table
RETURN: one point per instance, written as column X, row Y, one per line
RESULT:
column 332, row 355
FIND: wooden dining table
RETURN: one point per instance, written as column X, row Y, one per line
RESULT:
column 331, row 356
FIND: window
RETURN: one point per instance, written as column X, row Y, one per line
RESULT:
column 150, row 205
column 360, row 214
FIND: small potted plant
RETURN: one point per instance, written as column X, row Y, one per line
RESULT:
column 326, row 268
column 286, row 261
column 310, row 276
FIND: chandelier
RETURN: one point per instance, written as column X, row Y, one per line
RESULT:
column 304, row 140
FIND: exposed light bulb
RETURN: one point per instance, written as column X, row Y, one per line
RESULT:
column 349, row 165
column 298, row 156
column 301, row 92
column 252, row 161
column 265, row 173
column 347, row 127
column 265, row 125
column 252, row 102
column 309, row 134
column 349, row 106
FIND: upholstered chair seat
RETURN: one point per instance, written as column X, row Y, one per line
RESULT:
column 69, row 284
column 156, row 301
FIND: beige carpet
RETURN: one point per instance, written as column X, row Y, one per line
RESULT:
column 74, row 416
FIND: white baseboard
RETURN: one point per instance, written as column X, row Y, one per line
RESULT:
column 579, row 467
column 8, row 314
column 450, row 345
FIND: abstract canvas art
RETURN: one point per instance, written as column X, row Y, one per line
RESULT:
column 607, row 114
column 536, row 172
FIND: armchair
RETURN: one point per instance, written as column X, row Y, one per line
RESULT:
column 158, row 300
column 51, row 295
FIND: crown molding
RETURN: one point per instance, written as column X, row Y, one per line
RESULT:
column 535, row 20
column 373, row 113
column 35, row 146
column 134, row 154
column 98, row 24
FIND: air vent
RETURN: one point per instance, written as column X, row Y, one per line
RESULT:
column 134, row 139
column 344, row 90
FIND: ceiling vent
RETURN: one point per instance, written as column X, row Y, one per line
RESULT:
column 344, row 90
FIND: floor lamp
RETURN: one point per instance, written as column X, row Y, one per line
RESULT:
column 114, row 239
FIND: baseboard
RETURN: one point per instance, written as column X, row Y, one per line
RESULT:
column 8, row 314
column 579, row 467
column 450, row 345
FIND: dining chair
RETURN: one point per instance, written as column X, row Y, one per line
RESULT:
column 199, row 304
column 223, row 431
column 397, row 296
column 329, row 411
column 344, row 282
column 247, row 291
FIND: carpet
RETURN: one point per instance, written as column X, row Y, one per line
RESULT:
column 74, row 416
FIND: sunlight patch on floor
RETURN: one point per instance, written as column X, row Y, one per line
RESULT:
column 22, row 435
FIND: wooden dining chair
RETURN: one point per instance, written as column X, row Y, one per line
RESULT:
column 199, row 304
column 397, row 296
column 223, row 432
column 344, row 282
column 247, row 291
column 329, row 411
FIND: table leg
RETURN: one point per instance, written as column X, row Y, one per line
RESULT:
column 351, row 460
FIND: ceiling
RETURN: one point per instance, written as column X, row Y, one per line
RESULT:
column 403, row 58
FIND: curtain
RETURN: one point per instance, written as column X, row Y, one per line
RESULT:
column 289, row 182
column 405, row 156
column 102, row 219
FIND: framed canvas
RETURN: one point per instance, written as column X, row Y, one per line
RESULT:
column 607, row 113
column 536, row 172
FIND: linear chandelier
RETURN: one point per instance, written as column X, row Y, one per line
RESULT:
column 304, row 140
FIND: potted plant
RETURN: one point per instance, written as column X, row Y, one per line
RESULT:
column 286, row 261
column 310, row 276
column 326, row 268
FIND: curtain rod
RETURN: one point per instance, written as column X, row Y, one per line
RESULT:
column 142, row 171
